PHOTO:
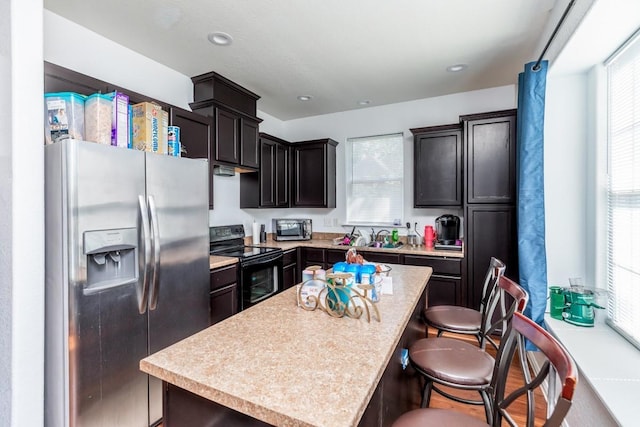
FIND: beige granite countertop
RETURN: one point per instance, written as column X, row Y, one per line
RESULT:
column 221, row 261
column 328, row 244
column 287, row 366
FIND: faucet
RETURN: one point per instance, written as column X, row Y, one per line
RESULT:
column 378, row 234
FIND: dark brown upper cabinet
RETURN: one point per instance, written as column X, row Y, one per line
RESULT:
column 269, row 187
column 490, row 152
column 437, row 166
column 314, row 174
column 250, row 145
column 234, row 133
column 195, row 138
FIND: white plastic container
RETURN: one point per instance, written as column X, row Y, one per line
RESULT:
column 64, row 116
column 98, row 118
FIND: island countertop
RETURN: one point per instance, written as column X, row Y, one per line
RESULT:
column 286, row 366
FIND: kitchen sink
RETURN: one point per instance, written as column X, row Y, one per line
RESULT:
column 386, row 245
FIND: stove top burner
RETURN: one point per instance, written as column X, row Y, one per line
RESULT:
column 243, row 251
column 229, row 241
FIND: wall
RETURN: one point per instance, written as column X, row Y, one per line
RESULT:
column 392, row 119
column 111, row 62
column 176, row 89
column 22, row 215
column 565, row 189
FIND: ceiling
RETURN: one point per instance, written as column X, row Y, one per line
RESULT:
column 339, row 52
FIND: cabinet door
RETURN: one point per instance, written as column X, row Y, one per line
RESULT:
column 314, row 174
column 490, row 232
column 313, row 256
column 310, row 176
column 227, row 138
column 195, row 138
column 249, row 147
column 336, row 255
column 490, row 152
column 438, row 169
column 289, row 276
column 282, row 176
column 267, row 173
column 444, row 291
column 290, row 269
column 224, row 303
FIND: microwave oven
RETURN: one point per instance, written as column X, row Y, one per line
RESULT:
column 291, row 229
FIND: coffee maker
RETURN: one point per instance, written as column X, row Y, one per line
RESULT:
column 447, row 229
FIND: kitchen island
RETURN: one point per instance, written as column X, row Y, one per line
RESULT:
column 276, row 363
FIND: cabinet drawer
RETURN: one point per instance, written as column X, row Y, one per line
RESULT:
column 381, row 257
column 448, row 266
column 289, row 257
column 224, row 276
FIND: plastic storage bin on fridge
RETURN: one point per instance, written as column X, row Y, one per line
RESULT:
column 98, row 118
column 64, row 116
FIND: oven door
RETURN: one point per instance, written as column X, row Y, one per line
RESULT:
column 260, row 278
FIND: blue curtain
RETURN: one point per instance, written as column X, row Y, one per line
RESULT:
column 530, row 178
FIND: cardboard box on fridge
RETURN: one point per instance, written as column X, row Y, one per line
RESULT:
column 149, row 128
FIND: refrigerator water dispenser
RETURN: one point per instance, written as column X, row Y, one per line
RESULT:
column 112, row 258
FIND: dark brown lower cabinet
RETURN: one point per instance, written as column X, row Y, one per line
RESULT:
column 223, row 298
column 490, row 232
column 445, row 284
column 312, row 256
column 290, row 267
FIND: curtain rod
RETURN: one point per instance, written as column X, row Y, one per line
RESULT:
column 553, row 35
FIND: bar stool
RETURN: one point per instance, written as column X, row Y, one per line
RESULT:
column 458, row 364
column 463, row 320
column 558, row 366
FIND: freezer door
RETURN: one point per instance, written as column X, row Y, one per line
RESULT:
column 107, row 334
column 177, row 192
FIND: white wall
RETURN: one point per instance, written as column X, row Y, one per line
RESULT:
column 21, row 215
column 565, row 177
column 392, row 119
column 175, row 88
column 106, row 60
column 364, row 122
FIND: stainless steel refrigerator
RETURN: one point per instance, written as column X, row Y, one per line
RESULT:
column 127, row 274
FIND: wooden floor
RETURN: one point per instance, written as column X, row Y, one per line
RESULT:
column 515, row 380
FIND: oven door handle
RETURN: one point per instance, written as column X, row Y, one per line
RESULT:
column 263, row 259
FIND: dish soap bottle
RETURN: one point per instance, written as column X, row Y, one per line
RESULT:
column 394, row 236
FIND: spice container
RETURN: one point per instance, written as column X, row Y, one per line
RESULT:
column 97, row 118
column 64, row 116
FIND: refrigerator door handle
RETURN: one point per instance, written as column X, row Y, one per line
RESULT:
column 144, row 259
column 155, row 277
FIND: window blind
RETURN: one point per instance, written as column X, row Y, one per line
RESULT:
column 623, row 192
column 375, row 172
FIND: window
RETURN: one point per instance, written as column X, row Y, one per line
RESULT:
column 374, row 179
column 623, row 193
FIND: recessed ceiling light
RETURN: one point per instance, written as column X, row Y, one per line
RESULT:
column 364, row 102
column 220, row 38
column 304, row 98
column 456, row 68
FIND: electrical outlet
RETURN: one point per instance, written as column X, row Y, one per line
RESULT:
column 335, row 222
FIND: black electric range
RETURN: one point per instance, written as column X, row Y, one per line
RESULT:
column 228, row 240
column 260, row 267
